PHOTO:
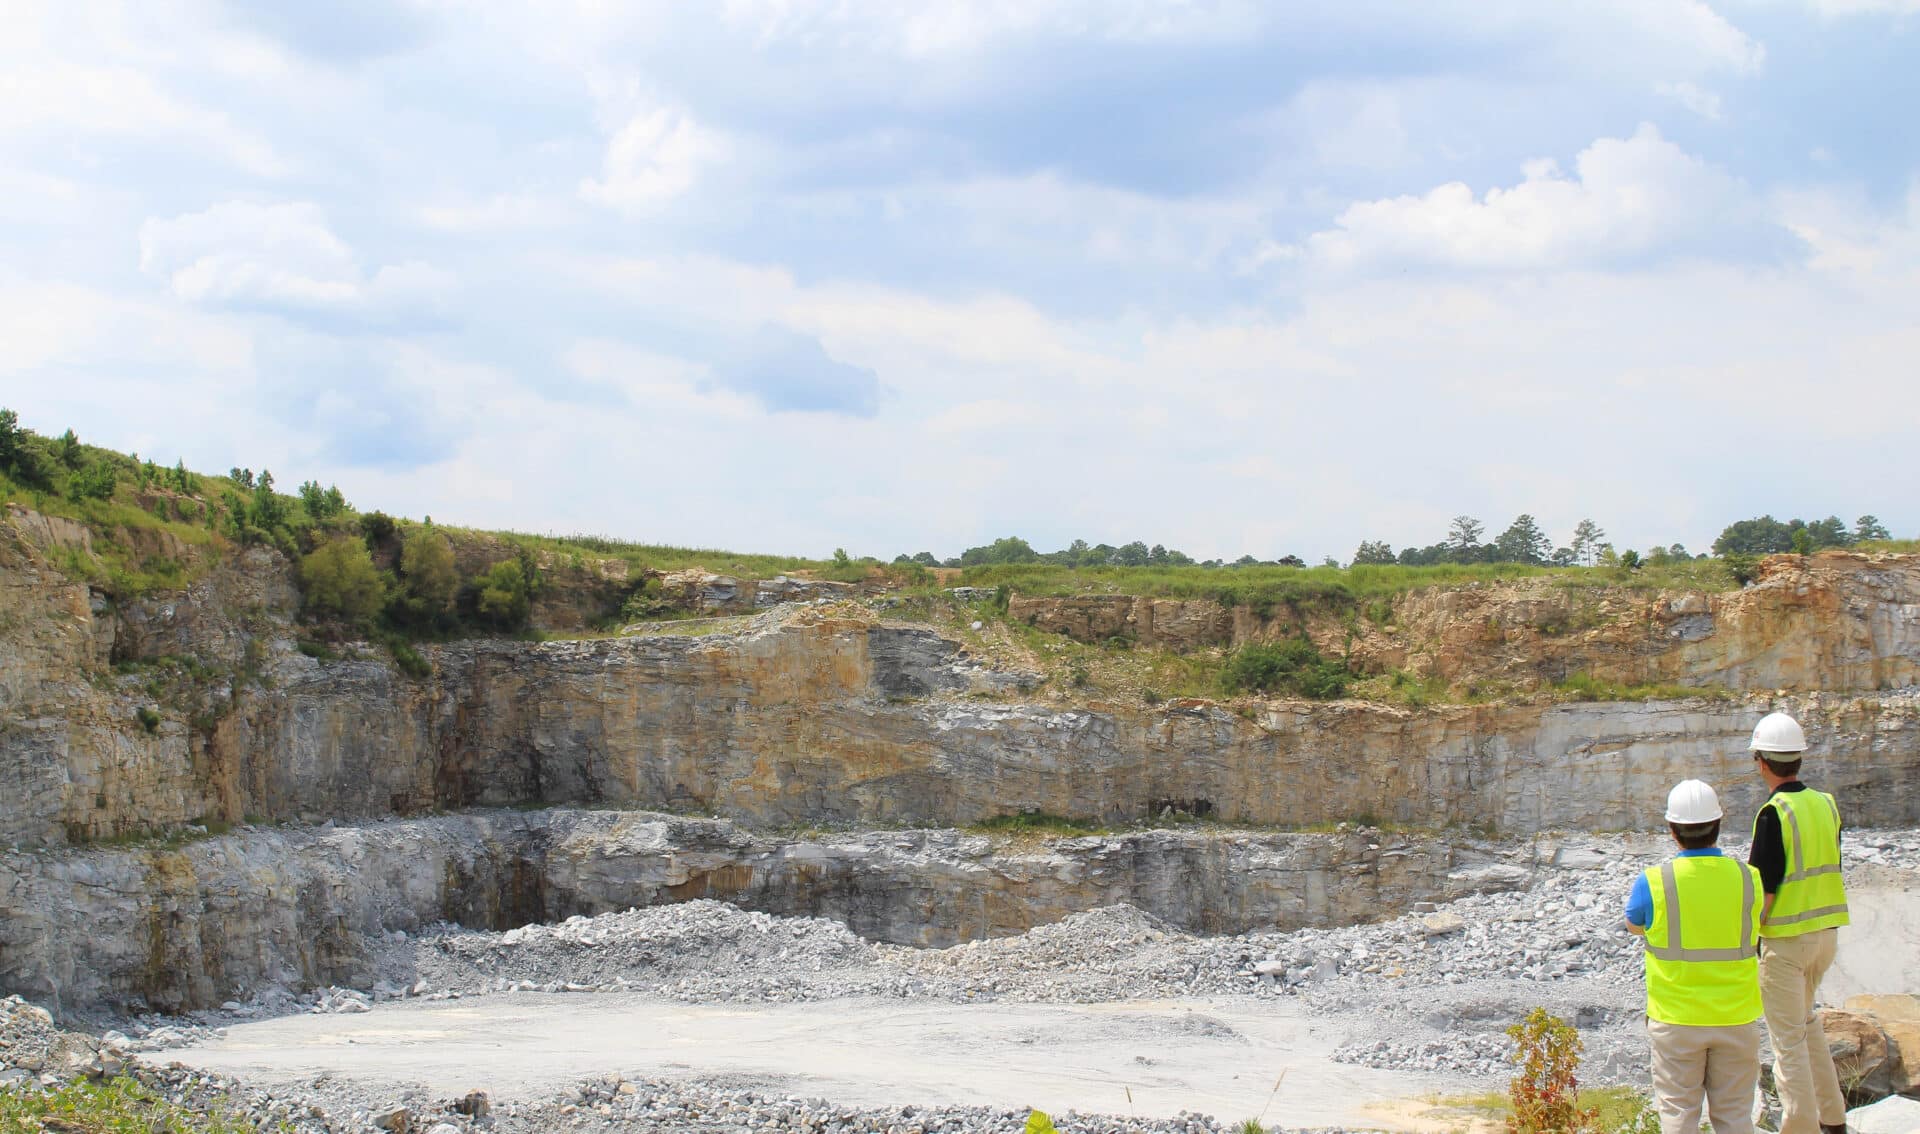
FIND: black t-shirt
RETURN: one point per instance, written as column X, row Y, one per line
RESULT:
column 1769, row 853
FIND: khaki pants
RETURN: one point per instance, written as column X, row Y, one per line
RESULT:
column 1803, row 1071
column 1717, row 1066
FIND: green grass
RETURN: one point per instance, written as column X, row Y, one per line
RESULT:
column 663, row 557
column 1038, row 823
column 117, row 1106
column 1584, row 687
column 1617, row 1109
column 118, row 566
column 1363, row 589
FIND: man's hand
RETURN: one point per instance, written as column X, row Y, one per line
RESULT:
column 1636, row 930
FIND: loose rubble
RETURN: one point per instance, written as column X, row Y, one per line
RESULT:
column 1431, row 990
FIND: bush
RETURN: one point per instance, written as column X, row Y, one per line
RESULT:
column 1545, row 1094
column 94, row 482
column 429, row 581
column 338, row 580
column 377, row 527
column 1742, row 566
column 1292, row 667
column 117, row 1106
column 505, row 596
column 149, row 719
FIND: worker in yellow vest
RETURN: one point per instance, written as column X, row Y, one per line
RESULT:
column 1796, row 848
column 1700, row 915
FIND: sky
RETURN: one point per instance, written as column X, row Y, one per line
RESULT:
column 791, row 275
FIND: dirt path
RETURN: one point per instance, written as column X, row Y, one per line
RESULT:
column 1152, row 1058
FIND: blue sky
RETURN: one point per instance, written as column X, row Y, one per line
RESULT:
column 790, row 275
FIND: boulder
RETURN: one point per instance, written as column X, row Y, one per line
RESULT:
column 1893, row 1115
column 1443, row 923
column 1860, row 1053
column 1897, row 1016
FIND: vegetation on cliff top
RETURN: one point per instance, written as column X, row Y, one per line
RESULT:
column 155, row 528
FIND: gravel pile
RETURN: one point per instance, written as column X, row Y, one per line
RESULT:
column 650, row 1107
column 699, row 950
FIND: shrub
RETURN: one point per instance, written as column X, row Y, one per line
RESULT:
column 1742, row 566
column 429, row 580
column 505, row 596
column 149, row 718
column 1291, row 667
column 94, row 482
column 338, row 580
column 377, row 527
column 1545, row 1094
column 111, row 1107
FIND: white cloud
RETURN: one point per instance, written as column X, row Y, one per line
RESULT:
column 1832, row 8
column 239, row 251
column 492, row 214
column 923, row 30
column 56, row 100
column 1705, row 103
column 1627, row 196
column 281, row 255
column 654, row 157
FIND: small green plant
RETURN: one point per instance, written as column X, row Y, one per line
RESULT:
column 1290, row 667
column 1742, row 566
column 1250, row 1126
column 408, row 658
column 149, row 719
column 1039, row 1123
column 1036, row 823
column 1545, row 1093
column 116, row 1106
column 317, row 650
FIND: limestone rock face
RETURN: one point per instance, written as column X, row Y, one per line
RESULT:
column 1837, row 621
column 197, row 706
column 179, row 928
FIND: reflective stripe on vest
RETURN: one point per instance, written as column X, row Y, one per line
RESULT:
column 1702, row 944
column 1810, row 878
column 1674, row 951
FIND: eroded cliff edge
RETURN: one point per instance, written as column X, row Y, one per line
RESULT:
column 198, row 707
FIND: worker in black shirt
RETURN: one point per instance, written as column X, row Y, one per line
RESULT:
column 1796, row 849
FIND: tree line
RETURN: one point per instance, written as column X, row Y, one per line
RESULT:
column 1080, row 553
column 1523, row 541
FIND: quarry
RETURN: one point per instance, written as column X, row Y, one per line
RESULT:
column 825, row 856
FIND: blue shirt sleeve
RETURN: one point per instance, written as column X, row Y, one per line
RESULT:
column 1640, row 903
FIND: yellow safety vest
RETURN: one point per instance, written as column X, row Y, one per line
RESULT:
column 1811, row 895
column 1702, row 945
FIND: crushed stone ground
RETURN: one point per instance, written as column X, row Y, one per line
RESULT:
column 1430, row 990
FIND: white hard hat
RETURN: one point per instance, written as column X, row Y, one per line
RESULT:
column 1778, row 732
column 1692, row 801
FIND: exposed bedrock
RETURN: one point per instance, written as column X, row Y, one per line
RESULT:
column 190, row 926
column 815, row 719
column 1837, row 621
column 116, row 720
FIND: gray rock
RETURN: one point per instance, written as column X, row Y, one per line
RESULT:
column 1892, row 1115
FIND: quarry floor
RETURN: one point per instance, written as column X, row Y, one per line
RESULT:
column 1153, row 1058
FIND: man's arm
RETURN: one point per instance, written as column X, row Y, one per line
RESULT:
column 1640, row 907
column 1769, row 853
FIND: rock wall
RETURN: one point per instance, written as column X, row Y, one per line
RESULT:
column 161, row 713
column 190, row 926
column 1833, row 622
